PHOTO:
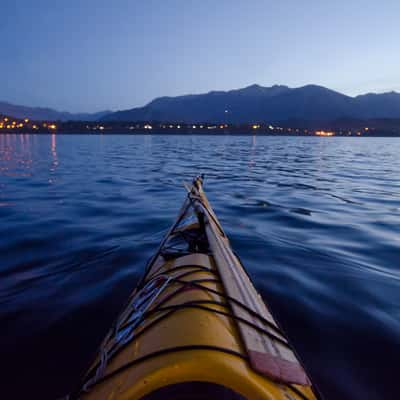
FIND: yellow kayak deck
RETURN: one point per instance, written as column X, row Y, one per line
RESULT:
column 195, row 328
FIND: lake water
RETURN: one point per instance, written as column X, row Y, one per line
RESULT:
column 316, row 221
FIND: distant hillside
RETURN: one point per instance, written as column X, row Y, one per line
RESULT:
column 385, row 105
column 47, row 114
column 262, row 104
column 252, row 104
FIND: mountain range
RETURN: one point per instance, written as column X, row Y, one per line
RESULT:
column 259, row 104
column 47, row 114
column 252, row 104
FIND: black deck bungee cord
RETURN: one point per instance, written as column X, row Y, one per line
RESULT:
column 173, row 308
column 296, row 391
column 177, row 307
column 202, row 267
column 237, row 302
column 196, row 283
column 169, row 310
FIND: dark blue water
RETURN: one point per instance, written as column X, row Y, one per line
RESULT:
column 315, row 220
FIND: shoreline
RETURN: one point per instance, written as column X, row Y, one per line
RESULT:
column 189, row 133
column 371, row 128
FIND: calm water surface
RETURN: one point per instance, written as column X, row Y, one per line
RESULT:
column 315, row 220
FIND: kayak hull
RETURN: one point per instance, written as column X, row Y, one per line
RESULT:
column 180, row 327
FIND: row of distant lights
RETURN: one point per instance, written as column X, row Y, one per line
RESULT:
column 148, row 126
column 195, row 126
column 7, row 124
column 222, row 126
column 4, row 125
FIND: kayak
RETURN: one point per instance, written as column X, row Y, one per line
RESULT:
column 195, row 326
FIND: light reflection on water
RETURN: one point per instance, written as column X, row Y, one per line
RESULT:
column 315, row 220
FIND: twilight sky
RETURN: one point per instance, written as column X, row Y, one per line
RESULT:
column 90, row 55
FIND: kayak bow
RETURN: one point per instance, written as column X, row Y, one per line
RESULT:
column 195, row 326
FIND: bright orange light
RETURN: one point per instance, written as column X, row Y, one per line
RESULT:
column 324, row 133
column 6, row 119
column 256, row 126
column 52, row 126
column 26, row 120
